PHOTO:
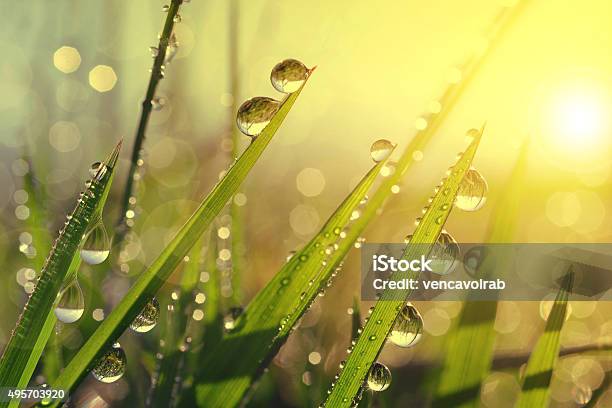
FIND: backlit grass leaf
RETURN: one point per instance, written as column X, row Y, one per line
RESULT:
column 229, row 370
column 470, row 344
column 345, row 391
column 535, row 385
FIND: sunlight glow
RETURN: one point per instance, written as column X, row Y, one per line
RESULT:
column 578, row 119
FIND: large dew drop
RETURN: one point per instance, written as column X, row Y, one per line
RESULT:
column 379, row 377
column 472, row 192
column 93, row 170
column 381, row 150
column 473, row 260
column 71, row 305
column 98, row 170
column 148, row 317
column 111, row 366
column 444, row 254
column 255, row 114
column 289, row 75
column 96, row 245
column 408, row 327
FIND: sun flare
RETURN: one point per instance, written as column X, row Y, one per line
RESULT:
column 578, row 119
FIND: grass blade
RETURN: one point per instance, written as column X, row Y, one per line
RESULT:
column 374, row 334
column 37, row 319
column 176, row 337
column 535, row 388
column 470, row 350
column 152, row 279
column 230, row 368
column 157, row 74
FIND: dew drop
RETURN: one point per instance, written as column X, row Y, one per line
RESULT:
column 111, row 366
column 95, row 167
column 71, row 305
column 472, row 133
column 154, row 51
column 96, row 245
column 472, row 260
column 165, row 8
column 379, row 377
column 158, row 103
column 582, row 394
column 444, row 254
column 255, row 114
column 229, row 320
column 408, row 327
column 289, row 75
column 381, row 150
column 177, row 18
column 148, row 317
column 171, row 49
column 472, row 192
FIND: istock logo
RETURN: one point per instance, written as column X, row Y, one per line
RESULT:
column 384, row 263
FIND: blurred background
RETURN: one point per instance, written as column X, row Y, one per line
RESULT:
column 73, row 76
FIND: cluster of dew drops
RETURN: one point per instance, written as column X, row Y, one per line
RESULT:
column 255, row 114
column 406, row 332
column 94, row 250
column 408, row 326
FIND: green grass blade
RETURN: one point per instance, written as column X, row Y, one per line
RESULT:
column 230, row 368
column 470, row 345
column 535, row 388
column 37, row 319
column 374, row 334
column 172, row 365
column 152, row 279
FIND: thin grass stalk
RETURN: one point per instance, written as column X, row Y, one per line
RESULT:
column 157, row 74
column 347, row 390
column 236, row 212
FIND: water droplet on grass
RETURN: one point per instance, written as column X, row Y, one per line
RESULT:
column 71, row 305
column 472, row 192
column 408, row 327
column 96, row 245
column 111, row 366
column 379, row 377
column 148, row 317
column 380, row 150
column 229, row 320
column 95, row 167
column 289, row 75
column 582, row 394
column 255, row 114
column 444, row 254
